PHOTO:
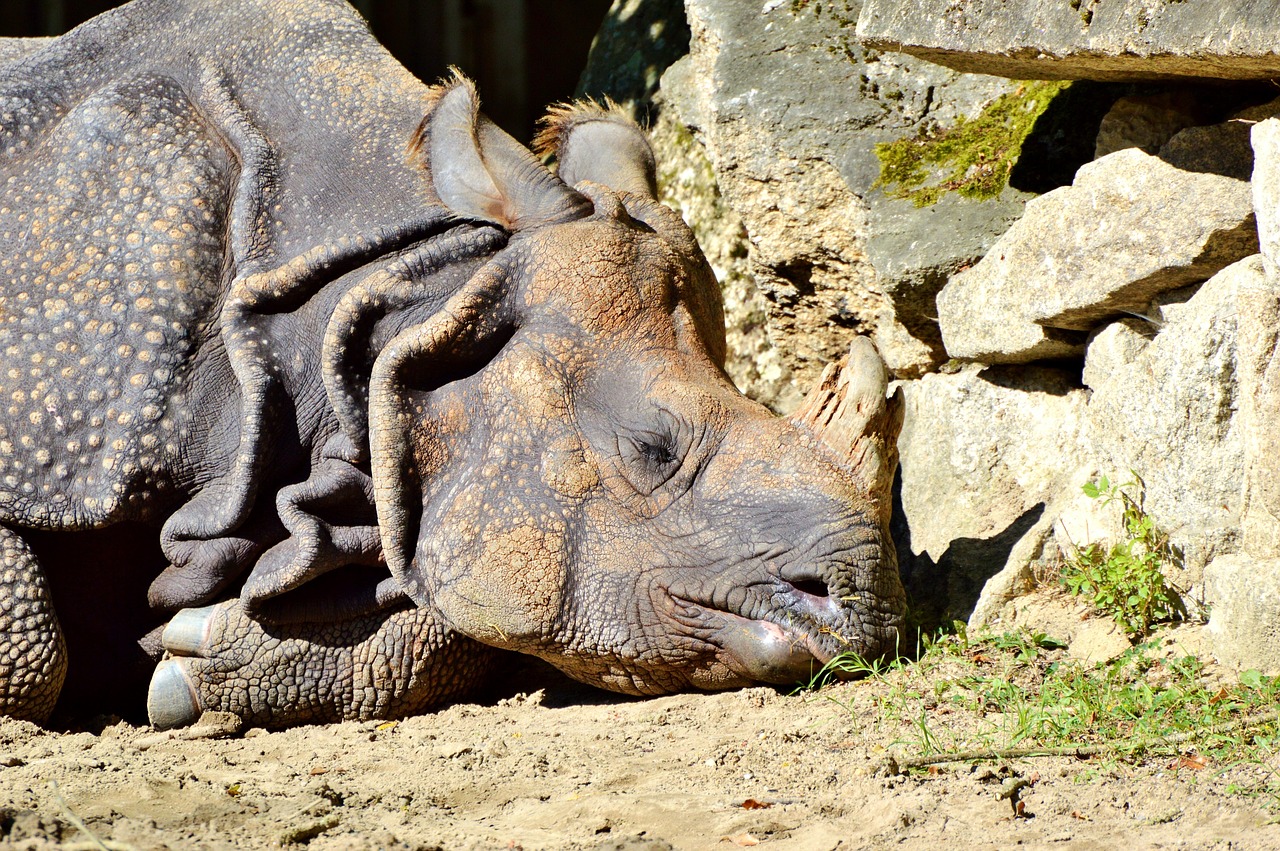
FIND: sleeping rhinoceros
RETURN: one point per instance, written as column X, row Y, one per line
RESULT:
column 387, row 393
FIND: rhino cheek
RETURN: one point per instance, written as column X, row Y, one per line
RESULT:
column 507, row 591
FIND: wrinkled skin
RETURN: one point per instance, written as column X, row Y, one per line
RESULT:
column 650, row 520
column 417, row 400
column 600, row 495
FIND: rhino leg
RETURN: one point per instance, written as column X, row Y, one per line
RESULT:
column 33, row 654
column 371, row 667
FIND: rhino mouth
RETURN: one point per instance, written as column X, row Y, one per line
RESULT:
column 783, row 633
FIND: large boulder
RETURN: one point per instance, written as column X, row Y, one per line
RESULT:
column 987, row 454
column 1244, row 587
column 789, row 121
column 1088, row 252
column 1160, row 406
column 1243, row 629
column 1258, row 377
column 1266, row 190
column 798, row 122
column 1170, row 416
column 688, row 184
column 1081, row 39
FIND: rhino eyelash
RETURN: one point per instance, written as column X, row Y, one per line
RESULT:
column 648, row 461
column 658, row 454
column 657, row 448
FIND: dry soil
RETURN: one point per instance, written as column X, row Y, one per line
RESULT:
column 548, row 764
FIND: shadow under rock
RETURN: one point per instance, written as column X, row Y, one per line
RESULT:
column 946, row 590
column 1058, row 377
column 1064, row 135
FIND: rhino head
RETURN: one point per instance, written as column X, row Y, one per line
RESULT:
column 561, row 466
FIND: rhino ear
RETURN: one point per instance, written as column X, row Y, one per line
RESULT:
column 481, row 173
column 599, row 143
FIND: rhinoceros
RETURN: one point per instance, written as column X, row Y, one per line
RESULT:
column 389, row 395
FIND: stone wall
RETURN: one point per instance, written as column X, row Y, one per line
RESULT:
column 794, row 116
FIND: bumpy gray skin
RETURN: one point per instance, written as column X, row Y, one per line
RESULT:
column 382, row 665
column 389, row 390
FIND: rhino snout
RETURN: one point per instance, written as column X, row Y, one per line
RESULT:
column 784, row 630
column 765, row 652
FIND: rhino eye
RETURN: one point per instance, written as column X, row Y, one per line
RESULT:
column 648, row 461
column 657, row 454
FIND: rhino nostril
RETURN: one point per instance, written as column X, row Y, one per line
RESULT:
column 815, row 587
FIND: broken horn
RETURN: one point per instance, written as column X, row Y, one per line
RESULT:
column 850, row 411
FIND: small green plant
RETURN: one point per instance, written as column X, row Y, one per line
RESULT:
column 970, row 696
column 1026, row 645
column 1126, row 580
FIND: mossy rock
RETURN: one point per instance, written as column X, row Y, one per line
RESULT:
column 973, row 158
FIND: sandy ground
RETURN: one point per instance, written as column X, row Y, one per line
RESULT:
column 554, row 765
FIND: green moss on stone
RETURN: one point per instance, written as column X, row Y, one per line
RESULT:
column 973, row 158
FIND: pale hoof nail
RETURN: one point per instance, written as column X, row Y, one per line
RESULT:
column 171, row 699
column 187, row 634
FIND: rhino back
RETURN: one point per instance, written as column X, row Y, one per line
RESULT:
column 15, row 48
column 114, row 222
column 336, row 109
column 128, row 202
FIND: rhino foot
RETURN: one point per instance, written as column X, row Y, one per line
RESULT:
column 385, row 665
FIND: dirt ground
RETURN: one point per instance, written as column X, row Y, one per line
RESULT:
column 554, row 765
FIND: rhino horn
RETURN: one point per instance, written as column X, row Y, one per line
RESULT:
column 851, row 413
column 599, row 143
column 479, row 172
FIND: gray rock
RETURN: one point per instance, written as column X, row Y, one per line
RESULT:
column 1259, row 369
column 1166, row 306
column 789, row 110
column 1112, row 348
column 1214, row 149
column 1147, row 121
column 1170, row 416
column 1089, row 252
column 1243, row 589
column 1243, row 629
column 985, row 453
column 1258, row 374
column 1088, row 39
column 638, row 40
column 1266, row 189
column 1223, row 148
column 688, row 184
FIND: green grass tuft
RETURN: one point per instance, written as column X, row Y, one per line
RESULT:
column 1020, row 690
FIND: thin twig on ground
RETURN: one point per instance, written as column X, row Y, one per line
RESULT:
column 894, row 765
